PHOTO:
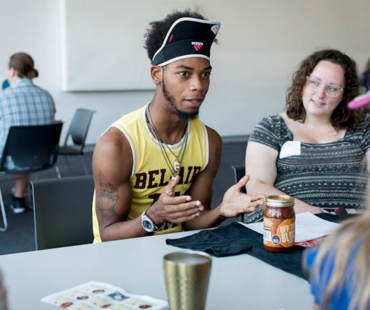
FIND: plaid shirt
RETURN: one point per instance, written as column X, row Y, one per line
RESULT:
column 23, row 104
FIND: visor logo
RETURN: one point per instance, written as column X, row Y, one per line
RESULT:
column 215, row 28
column 197, row 45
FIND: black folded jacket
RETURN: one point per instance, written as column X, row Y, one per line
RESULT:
column 223, row 241
column 236, row 239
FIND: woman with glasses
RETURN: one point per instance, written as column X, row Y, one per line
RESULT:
column 317, row 150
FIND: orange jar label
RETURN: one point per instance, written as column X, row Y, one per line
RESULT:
column 278, row 233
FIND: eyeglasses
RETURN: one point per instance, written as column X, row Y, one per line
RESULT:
column 331, row 90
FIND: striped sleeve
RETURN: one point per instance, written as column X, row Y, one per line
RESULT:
column 266, row 133
column 365, row 142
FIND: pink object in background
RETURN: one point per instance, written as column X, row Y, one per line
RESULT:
column 359, row 101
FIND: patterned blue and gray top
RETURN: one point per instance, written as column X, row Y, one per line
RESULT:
column 23, row 104
column 327, row 175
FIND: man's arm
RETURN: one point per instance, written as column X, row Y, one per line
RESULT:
column 234, row 202
column 112, row 165
column 260, row 164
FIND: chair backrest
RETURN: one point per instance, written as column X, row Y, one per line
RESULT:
column 32, row 148
column 62, row 211
column 239, row 172
column 79, row 127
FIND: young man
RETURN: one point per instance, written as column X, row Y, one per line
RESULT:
column 154, row 168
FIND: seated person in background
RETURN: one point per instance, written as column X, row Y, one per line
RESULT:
column 154, row 167
column 339, row 267
column 317, row 150
column 365, row 77
column 22, row 104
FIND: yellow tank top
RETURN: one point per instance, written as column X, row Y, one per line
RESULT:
column 150, row 173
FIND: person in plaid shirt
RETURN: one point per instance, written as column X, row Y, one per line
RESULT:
column 22, row 104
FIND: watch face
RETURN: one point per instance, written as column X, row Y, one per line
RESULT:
column 147, row 225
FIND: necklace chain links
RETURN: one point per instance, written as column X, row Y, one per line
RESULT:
column 175, row 167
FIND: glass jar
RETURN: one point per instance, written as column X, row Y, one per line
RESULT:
column 279, row 224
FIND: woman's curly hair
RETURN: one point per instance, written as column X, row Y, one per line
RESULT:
column 155, row 35
column 342, row 117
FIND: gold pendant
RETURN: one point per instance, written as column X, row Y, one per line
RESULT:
column 176, row 166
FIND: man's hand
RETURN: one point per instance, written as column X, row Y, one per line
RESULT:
column 235, row 202
column 169, row 208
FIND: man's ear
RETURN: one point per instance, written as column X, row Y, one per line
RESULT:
column 156, row 74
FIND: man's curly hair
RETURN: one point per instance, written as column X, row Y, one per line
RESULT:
column 342, row 117
column 155, row 35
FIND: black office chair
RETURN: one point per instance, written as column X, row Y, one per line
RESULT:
column 32, row 149
column 255, row 216
column 78, row 132
column 62, row 211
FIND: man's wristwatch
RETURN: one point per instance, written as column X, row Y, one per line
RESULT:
column 147, row 223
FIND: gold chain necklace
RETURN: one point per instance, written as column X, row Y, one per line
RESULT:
column 175, row 167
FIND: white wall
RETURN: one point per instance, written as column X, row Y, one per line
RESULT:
column 263, row 40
